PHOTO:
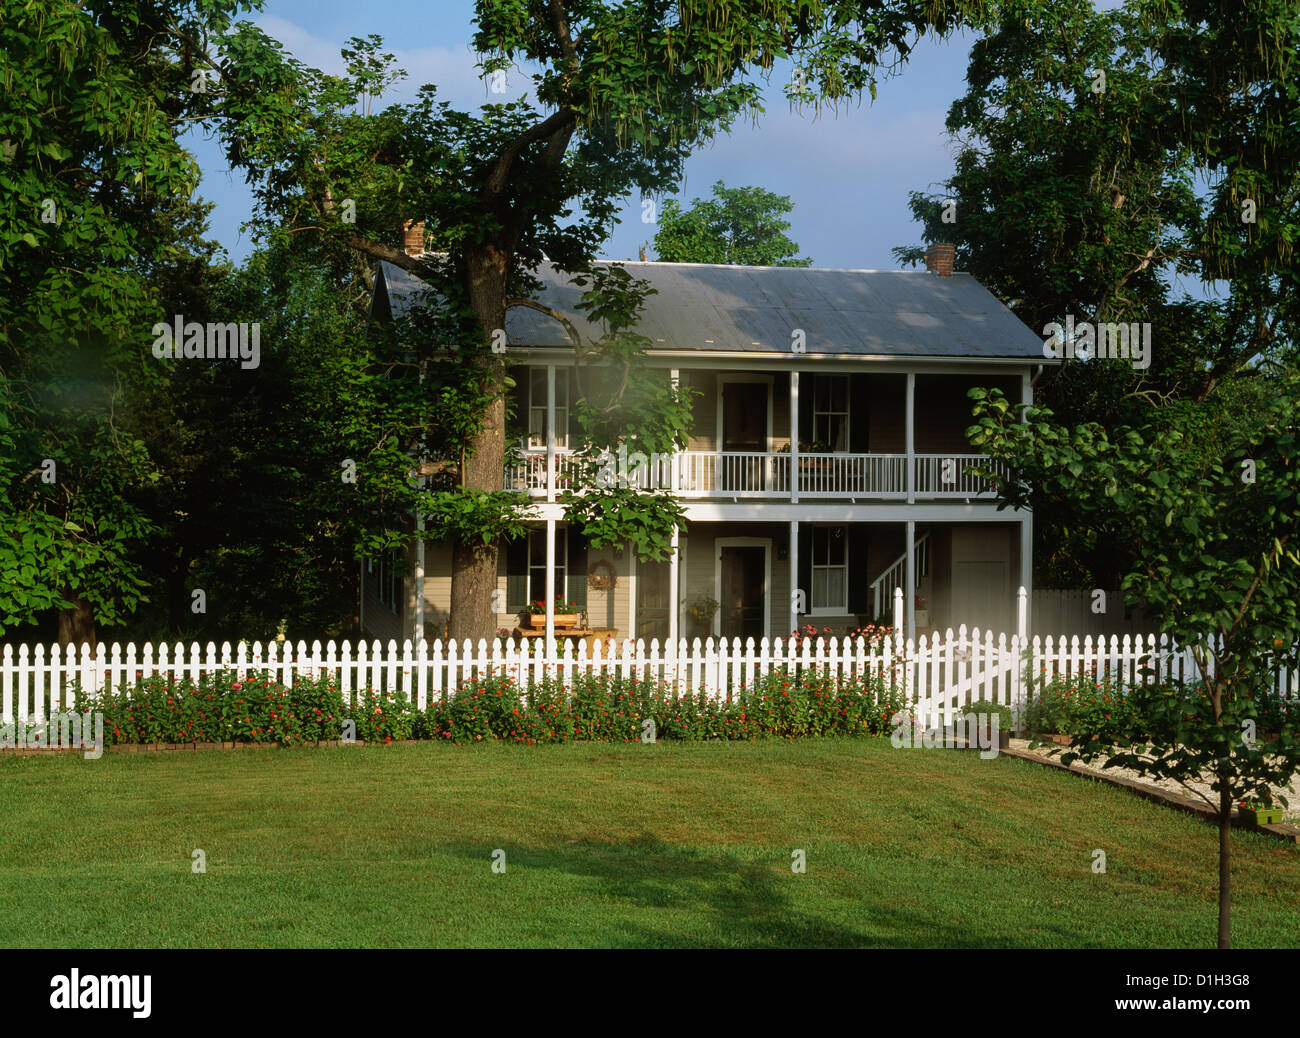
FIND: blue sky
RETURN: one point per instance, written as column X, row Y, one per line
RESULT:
column 848, row 174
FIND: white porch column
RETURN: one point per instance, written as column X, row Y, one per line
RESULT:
column 1027, row 568
column 550, row 582
column 631, row 590
column 1027, row 529
column 794, row 574
column 674, row 376
column 909, row 432
column 794, row 442
column 909, row 592
column 674, row 582
column 418, row 634
column 550, row 433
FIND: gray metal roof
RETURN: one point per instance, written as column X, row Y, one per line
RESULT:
column 705, row 306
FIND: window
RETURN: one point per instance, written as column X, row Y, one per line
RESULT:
column 537, row 408
column 537, row 564
column 830, row 570
column 831, row 411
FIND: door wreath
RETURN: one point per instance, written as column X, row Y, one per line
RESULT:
column 602, row 576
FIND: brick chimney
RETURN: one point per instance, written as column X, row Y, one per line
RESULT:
column 413, row 237
column 939, row 258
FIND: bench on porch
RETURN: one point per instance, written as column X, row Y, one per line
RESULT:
column 590, row 635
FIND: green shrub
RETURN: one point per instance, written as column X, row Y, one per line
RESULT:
column 988, row 708
column 600, row 706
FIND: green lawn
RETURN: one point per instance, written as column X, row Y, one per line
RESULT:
column 666, row 845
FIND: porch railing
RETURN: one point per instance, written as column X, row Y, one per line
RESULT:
column 743, row 474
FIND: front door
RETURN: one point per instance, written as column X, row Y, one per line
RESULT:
column 744, row 431
column 652, row 601
column 742, row 591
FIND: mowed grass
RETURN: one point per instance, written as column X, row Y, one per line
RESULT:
column 665, row 845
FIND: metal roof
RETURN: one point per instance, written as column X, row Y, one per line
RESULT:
column 705, row 306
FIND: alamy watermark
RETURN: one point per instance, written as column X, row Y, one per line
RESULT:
column 95, row 991
column 62, row 731
column 967, row 730
column 638, row 469
column 1130, row 342
column 190, row 340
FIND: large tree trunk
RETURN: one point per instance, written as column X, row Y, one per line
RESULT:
column 1225, row 868
column 77, row 625
column 473, row 563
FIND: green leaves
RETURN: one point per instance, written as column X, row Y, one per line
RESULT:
column 738, row 225
column 614, row 516
column 475, row 515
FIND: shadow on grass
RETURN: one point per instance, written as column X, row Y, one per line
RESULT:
column 719, row 899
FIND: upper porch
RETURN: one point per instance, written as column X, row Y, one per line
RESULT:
column 736, row 475
column 786, row 435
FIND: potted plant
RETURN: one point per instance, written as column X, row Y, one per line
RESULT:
column 566, row 613
column 981, row 712
column 1260, row 814
column 700, row 612
column 811, row 447
column 922, row 614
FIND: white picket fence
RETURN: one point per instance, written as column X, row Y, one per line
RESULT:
column 937, row 676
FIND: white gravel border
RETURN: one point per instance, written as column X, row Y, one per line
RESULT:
column 1291, row 814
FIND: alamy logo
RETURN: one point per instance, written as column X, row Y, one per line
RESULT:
column 638, row 470
column 191, row 340
column 1103, row 341
column 969, row 730
column 74, row 991
column 64, row 731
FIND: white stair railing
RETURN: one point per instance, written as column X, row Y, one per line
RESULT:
column 883, row 586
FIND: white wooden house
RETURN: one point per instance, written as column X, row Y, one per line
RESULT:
column 828, row 456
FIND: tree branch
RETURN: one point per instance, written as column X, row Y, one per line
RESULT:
column 393, row 255
column 542, row 308
column 435, row 468
column 495, row 181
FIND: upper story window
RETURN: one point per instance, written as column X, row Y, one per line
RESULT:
column 537, row 408
column 831, row 411
column 830, row 570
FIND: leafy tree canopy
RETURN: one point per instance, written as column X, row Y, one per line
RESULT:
column 740, row 225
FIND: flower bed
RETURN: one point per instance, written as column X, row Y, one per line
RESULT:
column 221, row 709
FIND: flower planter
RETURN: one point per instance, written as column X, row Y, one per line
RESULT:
column 981, row 735
column 922, row 618
column 561, row 620
column 1262, row 815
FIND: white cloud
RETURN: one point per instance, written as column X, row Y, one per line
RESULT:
column 451, row 69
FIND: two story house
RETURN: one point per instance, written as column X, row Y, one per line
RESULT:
column 827, row 463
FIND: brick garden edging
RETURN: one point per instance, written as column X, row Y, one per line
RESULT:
column 1280, row 831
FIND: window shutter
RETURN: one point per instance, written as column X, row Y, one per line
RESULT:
column 859, row 574
column 807, row 401
column 804, row 582
column 859, row 415
column 577, row 567
column 570, row 430
column 517, row 574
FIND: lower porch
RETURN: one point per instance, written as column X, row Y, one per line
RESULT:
column 760, row 579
